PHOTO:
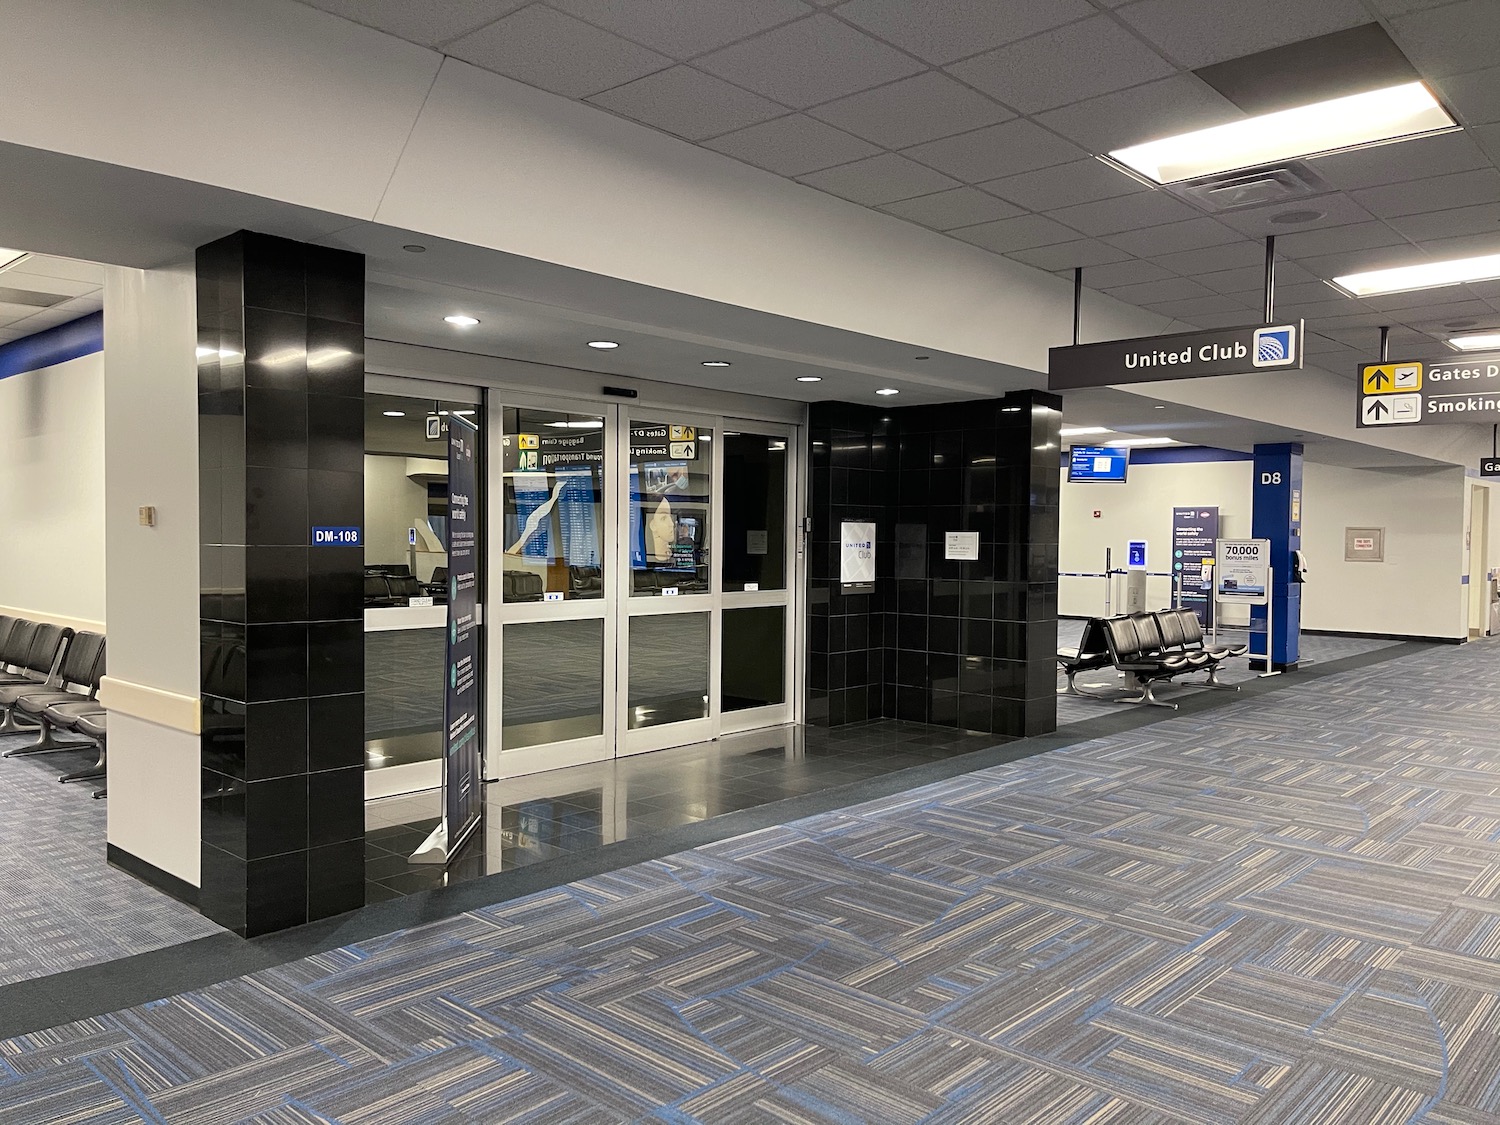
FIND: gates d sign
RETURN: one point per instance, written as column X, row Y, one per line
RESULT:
column 1185, row 355
column 1461, row 391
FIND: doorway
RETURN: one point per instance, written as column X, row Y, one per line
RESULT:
column 644, row 562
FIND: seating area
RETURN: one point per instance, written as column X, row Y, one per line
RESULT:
column 395, row 585
column 49, row 683
column 1150, row 649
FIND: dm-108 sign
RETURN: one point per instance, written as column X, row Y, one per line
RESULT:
column 1462, row 391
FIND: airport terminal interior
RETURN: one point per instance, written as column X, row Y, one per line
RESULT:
column 737, row 561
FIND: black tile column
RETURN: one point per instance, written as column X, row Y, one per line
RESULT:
column 281, row 421
column 965, row 644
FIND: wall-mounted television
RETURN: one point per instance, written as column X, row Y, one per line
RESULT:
column 1098, row 464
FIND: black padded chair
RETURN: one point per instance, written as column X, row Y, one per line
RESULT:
column 1091, row 655
column 403, row 588
column 6, row 625
column 39, row 668
column 1169, row 631
column 1193, row 641
column 1135, row 649
column 16, row 649
column 82, row 670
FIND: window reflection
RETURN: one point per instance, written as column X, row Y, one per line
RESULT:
column 553, row 465
column 754, row 512
column 669, row 508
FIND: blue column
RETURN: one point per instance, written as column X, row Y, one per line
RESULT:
column 1277, row 516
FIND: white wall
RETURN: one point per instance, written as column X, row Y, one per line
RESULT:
column 393, row 504
column 52, row 492
column 151, row 580
column 1141, row 508
column 1418, row 590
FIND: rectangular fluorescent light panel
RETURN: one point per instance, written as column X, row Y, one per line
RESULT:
column 1395, row 113
column 1082, row 431
column 10, row 257
column 1482, row 343
column 1124, row 442
column 1425, row 275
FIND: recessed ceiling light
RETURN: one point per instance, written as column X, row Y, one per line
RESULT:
column 1426, row 275
column 1120, row 442
column 1408, row 110
column 921, row 357
column 394, row 413
column 809, row 378
column 9, row 258
column 414, row 248
column 587, row 424
column 1482, row 342
column 1082, row 431
column 464, row 413
column 1158, row 408
column 603, row 345
column 1293, row 218
column 715, row 363
column 461, row 320
column 888, row 391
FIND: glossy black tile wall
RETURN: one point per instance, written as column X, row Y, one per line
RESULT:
column 281, row 450
column 957, row 643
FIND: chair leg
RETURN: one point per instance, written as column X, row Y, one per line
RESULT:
column 12, row 724
column 1148, row 698
column 1213, row 680
column 45, row 742
column 89, row 773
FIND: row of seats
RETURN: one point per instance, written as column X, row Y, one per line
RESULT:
column 49, row 682
column 1150, row 648
column 388, row 586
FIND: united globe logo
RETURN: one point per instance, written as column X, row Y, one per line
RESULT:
column 1274, row 347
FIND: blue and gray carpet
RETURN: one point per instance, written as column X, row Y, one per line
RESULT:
column 1286, row 910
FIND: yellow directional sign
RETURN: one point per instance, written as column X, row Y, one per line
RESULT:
column 1386, row 378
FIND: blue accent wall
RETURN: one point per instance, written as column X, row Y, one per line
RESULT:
column 1184, row 455
column 1277, row 497
column 77, row 338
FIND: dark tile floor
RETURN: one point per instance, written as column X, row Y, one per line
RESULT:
column 545, row 816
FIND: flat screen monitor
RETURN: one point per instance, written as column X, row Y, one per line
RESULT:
column 1098, row 464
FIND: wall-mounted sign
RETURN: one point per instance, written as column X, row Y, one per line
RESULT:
column 337, row 537
column 1243, row 570
column 1430, row 392
column 1135, row 554
column 1098, row 464
column 1364, row 544
column 961, row 545
column 857, row 557
column 1184, row 355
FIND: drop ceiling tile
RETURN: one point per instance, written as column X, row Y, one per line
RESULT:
column 1252, row 279
column 1357, row 236
column 1021, row 233
column 1232, row 255
column 1088, row 253
column 427, row 24
column 1482, row 218
column 1328, row 304
column 1192, row 234
column 941, row 31
column 1157, row 109
column 1475, row 96
column 1425, row 308
column 1462, row 246
column 46, row 265
column 661, row 25
column 960, row 207
column 1214, row 304
column 1460, row 189
column 1067, row 64
column 552, row 51
column 1453, row 39
column 1128, row 212
column 921, row 108
column 688, row 103
column 1196, row 33
column 1405, row 160
column 879, row 179
column 1232, row 318
column 1082, row 181
column 40, row 283
column 1168, row 289
column 808, row 62
column 792, row 146
column 1131, row 271
column 1324, row 212
column 999, row 150
column 1328, row 266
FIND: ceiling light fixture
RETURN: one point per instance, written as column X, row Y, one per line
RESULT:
column 394, row 413
column 590, row 424
column 464, row 413
column 461, row 320
column 1427, row 275
column 715, row 363
column 414, row 248
column 809, row 378
column 1374, row 117
column 1124, row 442
column 9, row 258
column 888, row 391
column 1479, row 343
column 603, row 345
column 1082, row 431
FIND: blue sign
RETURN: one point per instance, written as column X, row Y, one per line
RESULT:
column 1098, row 463
column 337, row 537
column 1135, row 554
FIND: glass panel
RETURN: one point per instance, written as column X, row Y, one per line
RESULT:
column 669, row 508
column 754, row 665
column 554, row 505
column 668, row 669
column 755, row 468
column 553, row 677
column 403, row 696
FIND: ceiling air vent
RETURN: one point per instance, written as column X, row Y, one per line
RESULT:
column 1283, row 183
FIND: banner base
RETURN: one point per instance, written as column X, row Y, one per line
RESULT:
column 434, row 849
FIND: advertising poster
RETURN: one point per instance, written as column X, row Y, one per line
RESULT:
column 1194, row 531
column 463, row 788
column 857, row 557
column 1243, row 570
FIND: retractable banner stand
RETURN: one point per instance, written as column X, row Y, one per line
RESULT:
column 1194, row 531
column 463, row 747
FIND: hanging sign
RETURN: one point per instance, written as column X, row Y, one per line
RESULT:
column 1449, row 391
column 1489, row 466
column 1242, row 571
column 1184, row 355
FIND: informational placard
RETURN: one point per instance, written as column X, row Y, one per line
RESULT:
column 757, row 542
column 1242, row 570
column 857, row 557
column 961, row 545
column 463, row 748
column 337, row 537
column 1447, row 391
column 1098, row 464
column 1194, row 531
column 1364, row 544
column 1184, row 355
column 1135, row 554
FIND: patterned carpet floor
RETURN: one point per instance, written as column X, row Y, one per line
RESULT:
column 63, row 906
column 1283, row 911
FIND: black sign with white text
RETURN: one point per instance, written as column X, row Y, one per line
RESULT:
column 463, row 748
column 1185, row 355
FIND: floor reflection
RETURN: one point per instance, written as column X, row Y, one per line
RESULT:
column 545, row 816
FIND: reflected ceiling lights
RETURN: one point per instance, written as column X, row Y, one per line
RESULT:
column 1119, row 442
column 590, row 424
column 888, row 391
column 1426, row 275
column 1480, row 343
column 464, row 413
column 809, row 378
column 1082, row 431
column 394, row 413
column 461, row 320
column 603, row 345
column 1395, row 113
column 715, row 363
